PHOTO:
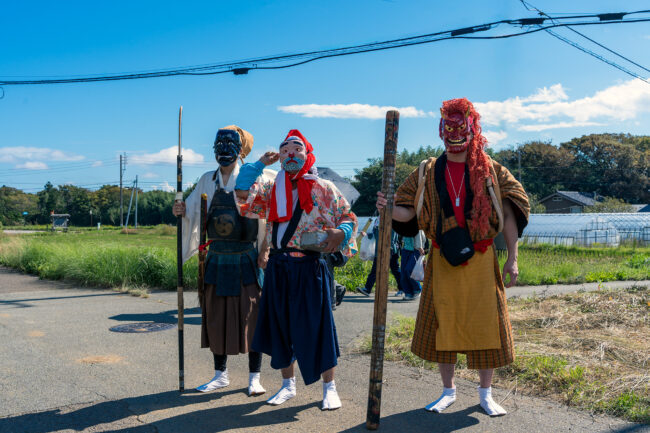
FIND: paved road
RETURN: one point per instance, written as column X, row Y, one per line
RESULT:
column 61, row 369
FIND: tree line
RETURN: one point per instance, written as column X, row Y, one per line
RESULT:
column 615, row 166
column 154, row 207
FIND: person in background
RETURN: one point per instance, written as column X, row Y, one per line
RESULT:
column 412, row 250
column 394, row 261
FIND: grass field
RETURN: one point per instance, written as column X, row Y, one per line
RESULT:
column 146, row 258
column 588, row 350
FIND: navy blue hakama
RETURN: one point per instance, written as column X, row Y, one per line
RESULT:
column 295, row 319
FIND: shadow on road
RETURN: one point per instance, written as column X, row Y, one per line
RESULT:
column 192, row 317
column 213, row 419
column 419, row 420
column 24, row 303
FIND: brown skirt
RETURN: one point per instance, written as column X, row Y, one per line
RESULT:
column 228, row 322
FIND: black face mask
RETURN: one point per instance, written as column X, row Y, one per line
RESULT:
column 227, row 146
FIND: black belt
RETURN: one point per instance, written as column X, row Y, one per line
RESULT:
column 278, row 251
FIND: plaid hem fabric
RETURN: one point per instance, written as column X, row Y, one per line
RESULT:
column 424, row 340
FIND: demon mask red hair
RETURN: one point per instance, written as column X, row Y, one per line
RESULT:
column 460, row 130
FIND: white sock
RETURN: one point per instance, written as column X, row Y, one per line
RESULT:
column 220, row 380
column 287, row 392
column 331, row 400
column 447, row 398
column 254, row 385
column 490, row 406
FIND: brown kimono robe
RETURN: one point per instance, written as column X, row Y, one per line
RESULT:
column 463, row 308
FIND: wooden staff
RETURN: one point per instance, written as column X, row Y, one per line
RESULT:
column 179, row 258
column 383, row 264
column 202, row 253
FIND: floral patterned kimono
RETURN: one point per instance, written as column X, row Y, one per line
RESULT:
column 295, row 319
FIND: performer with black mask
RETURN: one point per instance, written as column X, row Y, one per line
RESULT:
column 232, row 277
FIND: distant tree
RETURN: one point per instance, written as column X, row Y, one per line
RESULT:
column 13, row 202
column 106, row 204
column 535, row 205
column 545, row 168
column 368, row 180
column 50, row 200
column 608, row 205
column 155, row 207
column 77, row 203
column 613, row 165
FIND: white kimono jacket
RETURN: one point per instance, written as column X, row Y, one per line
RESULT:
column 192, row 217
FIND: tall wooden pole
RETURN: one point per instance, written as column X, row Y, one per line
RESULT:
column 179, row 258
column 383, row 264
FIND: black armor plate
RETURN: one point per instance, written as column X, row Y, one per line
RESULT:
column 225, row 223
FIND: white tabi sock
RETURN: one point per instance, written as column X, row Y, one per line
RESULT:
column 254, row 385
column 447, row 398
column 287, row 392
column 490, row 406
column 331, row 400
column 220, row 380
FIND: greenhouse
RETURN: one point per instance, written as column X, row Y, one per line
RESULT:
column 588, row 229
column 570, row 229
column 631, row 226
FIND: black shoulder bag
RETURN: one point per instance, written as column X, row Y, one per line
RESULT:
column 455, row 244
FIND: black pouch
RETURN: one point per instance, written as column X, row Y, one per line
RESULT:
column 456, row 246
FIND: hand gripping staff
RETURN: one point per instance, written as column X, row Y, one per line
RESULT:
column 179, row 257
column 383, row 264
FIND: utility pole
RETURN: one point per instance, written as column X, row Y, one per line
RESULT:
column 519, row 162
column 122, row 169
column 136, row 201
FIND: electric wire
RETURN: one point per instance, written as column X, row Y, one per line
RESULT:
column 244, row 66
column 530, row 7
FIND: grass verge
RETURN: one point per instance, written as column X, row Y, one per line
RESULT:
column 588, row 350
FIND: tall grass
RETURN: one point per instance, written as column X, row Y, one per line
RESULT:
column 97, row 264
column 146, row 257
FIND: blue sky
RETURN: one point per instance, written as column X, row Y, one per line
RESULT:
column 526, row 88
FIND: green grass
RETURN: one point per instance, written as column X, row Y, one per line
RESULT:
column 147, row 258
column 587, row 350
column 104, row 258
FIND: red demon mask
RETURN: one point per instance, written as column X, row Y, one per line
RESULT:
column 456, row 130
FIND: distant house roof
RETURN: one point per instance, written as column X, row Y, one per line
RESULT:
column 642, row 207
column 349, row 192
column 581, row 198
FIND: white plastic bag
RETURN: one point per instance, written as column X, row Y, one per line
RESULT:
column 367, row 249
column 418, row 271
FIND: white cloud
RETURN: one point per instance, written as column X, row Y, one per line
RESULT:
column 166, row 156
column 33, row 165
column 550, row 108
column 165, row 186
column 13, row 154
column 545, row 126
column 150, row 175
column 494, row 137
column 351, row 111
column 97, row 164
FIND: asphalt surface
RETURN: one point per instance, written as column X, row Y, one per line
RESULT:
column 61, row 369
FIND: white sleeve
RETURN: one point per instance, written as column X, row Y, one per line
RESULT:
column 192, row 218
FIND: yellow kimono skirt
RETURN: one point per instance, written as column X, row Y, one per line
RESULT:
column 463, row 310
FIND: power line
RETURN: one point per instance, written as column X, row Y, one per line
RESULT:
column 530, row 6
column 244, row 66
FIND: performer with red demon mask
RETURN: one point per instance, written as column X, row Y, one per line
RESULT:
column 461, row 202
column 306, row 215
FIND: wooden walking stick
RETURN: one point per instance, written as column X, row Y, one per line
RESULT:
column 202, row 249
column 383, row 264
column 179, row 257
